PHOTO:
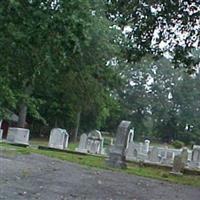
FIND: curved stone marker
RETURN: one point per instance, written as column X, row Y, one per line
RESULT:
column 117, row 152
column 95, row 142
column 58, row 139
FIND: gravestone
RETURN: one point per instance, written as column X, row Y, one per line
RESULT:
column 131, row 152
column 117, row 152
column 178, row 165
column 146, row 146
column 18, row 136
column 95, row 142
column 153, row 155
column 82, row 144
column 130, row 137
column 184, row 155
column 196, row 146
column 168, row 158
column 195, row 161
column 58, row 138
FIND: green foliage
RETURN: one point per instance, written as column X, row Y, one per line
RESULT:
column 154, row 23
column 178, row 144
column 55, row 61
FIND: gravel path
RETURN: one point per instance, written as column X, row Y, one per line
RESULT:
column 33, row 176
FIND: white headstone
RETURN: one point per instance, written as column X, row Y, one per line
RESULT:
column 95, row 142
column 130, row 137
column 82, row 144
column 146, row 146
column 195, row 161
column 58, row 138
column 18, row 135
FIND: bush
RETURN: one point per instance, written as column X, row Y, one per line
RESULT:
column 178, row 144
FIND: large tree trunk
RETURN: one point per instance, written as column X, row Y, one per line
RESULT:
column 22, row 115
column 77, row 125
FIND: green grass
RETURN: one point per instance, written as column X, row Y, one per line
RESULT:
column 39, row 142
column 99, row 162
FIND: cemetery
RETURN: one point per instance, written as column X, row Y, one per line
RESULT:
column 116, row 155
column 99, row 100
column 123, row 154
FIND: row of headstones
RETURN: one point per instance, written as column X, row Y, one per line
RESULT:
column 59, row 138
column 122, row 149
column 146, row 153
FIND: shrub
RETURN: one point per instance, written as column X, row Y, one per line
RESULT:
column 178, row 144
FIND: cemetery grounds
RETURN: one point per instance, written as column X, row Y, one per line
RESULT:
column 23, row 169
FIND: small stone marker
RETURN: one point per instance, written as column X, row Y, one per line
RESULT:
column 82, row 144
column 178, row 165
column 195, row 161
column 184, row 155
column 117, row 152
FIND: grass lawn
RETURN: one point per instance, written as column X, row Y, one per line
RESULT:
column 99, row 162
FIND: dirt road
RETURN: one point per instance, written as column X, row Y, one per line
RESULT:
column 31, row 177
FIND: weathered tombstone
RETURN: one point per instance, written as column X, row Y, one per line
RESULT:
column 195, row 161
column 184, row 155
column 178, row 165
column 82, row 144
column 18, row 136
column 95, row 142
column 117, row 152
column 146, row 146
column 153, row 155
column 58, row 138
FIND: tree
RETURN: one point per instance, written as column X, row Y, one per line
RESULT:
column 156, row 27
column 44, row 42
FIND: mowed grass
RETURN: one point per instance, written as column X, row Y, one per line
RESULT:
column 99, row 162
column 44, row 142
